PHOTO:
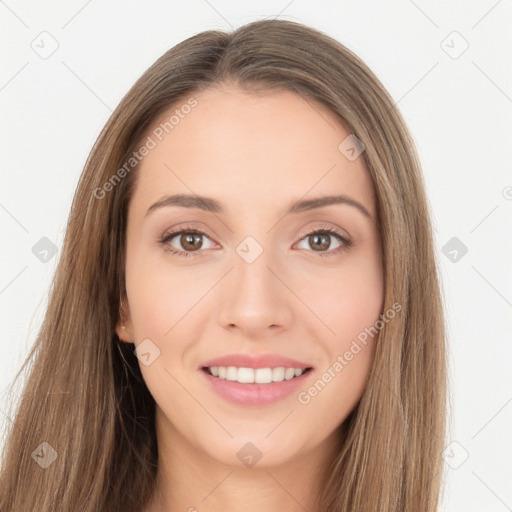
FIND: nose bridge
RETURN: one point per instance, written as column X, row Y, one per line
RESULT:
column 256, row 299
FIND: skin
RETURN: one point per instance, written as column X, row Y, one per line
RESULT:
column 255, row 154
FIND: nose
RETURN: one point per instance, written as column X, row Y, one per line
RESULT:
column 254, row 299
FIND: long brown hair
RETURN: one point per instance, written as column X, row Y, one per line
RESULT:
column 84, row 395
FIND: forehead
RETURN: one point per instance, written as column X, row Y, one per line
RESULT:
column 250, row 149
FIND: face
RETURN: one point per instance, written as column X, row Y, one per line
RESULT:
column 260, row 280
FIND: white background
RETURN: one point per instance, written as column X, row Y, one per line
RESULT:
column 459, row 111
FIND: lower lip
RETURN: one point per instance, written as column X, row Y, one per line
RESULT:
column 254, row 394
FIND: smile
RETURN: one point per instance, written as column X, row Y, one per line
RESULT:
column 255, row 375
column 255, row 387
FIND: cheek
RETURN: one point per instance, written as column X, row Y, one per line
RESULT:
column 351, row 311
column 336, row 389
column 162, row 312
column 347, row 300
column 349, row 303
column 160, row 297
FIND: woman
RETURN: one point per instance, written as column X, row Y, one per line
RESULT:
column 246, row 313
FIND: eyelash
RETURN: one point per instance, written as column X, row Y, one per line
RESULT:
column 163, row 241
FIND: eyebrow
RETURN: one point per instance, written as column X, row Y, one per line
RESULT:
column 211, row 205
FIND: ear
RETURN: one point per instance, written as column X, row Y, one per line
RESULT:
column 124, row 329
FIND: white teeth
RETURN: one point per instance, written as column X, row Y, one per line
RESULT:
column 278, row 374
column 262, row 375
column 231, row 373
column 289, row 373
column 245, row 375
column 256, row 376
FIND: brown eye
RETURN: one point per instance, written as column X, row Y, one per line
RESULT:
column 322, row 241
column 186, row 241
column 191, row 241
column 319, row 242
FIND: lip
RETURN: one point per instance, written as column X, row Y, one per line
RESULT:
column 254, row 394
column 255, row 361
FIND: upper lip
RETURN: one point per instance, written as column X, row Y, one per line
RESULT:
column 255, row 361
